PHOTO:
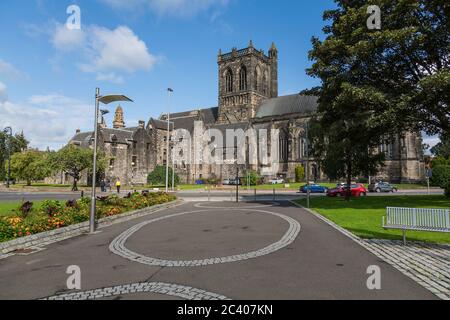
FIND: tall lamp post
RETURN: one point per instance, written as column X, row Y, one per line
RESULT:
column 308, row 190
column 9, row 130
column 104, row 100
column 169, row 91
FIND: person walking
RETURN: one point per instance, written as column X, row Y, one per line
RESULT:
column 103, row 185
column 118, row 185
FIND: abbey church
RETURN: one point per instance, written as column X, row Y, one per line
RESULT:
column 247, row 99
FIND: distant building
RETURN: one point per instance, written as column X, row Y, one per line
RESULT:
column 248, row 98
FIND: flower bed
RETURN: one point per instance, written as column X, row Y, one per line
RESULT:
column 55, row 214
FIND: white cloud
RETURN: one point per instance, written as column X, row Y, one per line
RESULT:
column 67, row 40
column 110, row 77
column 178, row 8
column 119, row 50
column 46, row 120
column 105, row 52
column 3, row 93
column 9, row 71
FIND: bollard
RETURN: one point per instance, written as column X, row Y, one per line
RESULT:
column 82, row 194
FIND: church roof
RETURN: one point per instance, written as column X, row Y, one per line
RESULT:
column 123, row 136
column 185, row 120
column 291, row 104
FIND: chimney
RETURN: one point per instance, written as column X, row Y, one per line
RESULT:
column 78, row 131
column 141, row 124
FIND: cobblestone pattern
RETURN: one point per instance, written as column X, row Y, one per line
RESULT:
column 426, row 264
column 43, row 239
column 118, row 244
column 187, row 293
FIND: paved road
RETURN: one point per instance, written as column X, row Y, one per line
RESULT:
column 198, row 195
column 269, row 257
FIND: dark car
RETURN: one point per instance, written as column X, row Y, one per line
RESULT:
column 335, row 192
column 313, row 188
column 380, row 187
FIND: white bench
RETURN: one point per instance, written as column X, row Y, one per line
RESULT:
column 433, row 220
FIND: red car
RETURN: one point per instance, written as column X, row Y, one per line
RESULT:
column 357, row 190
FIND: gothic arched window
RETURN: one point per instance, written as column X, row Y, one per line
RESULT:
column 229, row 81
column 264, row 83
column 257, row 78
column 243, row 79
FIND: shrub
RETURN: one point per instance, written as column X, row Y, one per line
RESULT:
column 53, row 214
column 299, row 174
column 441, row 178
column 158, row 177
column 51, row 207
column 26, row 208
column 253, row 178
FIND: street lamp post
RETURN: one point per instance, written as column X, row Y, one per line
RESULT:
column 308, row 191
column 9, row 130
column 169, row 91
column 105, row 100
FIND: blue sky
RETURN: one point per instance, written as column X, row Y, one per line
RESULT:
column 48, row 73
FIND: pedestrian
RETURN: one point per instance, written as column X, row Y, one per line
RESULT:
column 108, row 185
column 103, row 185
column 118, row 185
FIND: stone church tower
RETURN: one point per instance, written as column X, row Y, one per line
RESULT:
column 246, row 78
column 119, row 121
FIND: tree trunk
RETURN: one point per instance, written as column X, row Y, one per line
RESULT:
column 28, row 183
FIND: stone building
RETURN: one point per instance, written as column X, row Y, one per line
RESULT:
column 247, row 100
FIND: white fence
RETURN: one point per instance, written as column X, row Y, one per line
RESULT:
column 418, row 219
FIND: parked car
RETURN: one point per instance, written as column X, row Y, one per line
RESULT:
column 234, row 182
column 357, row 190
column 313, row 188
column 277, row 181
column 226, row 182
column 379, row 187
column 338, row 191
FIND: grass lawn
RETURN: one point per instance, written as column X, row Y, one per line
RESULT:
column 363, row 216
column 7, row 208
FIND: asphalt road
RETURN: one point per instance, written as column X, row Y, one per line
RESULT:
column 317, row 263
column 198, row 195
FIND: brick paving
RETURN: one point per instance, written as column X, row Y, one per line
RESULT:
column 173, row 290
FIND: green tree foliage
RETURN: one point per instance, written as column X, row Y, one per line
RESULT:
column 441, row 178
column 299, row 174
column 74, row 160
column 442, row 149
column 253, row 178
column 18, row 144
column 377, row 83
column 158, row 177
column 30, row 165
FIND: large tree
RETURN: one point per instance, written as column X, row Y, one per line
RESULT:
column 384, row 81
column 30, row 165
column 74, row 160
column 18, row 144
